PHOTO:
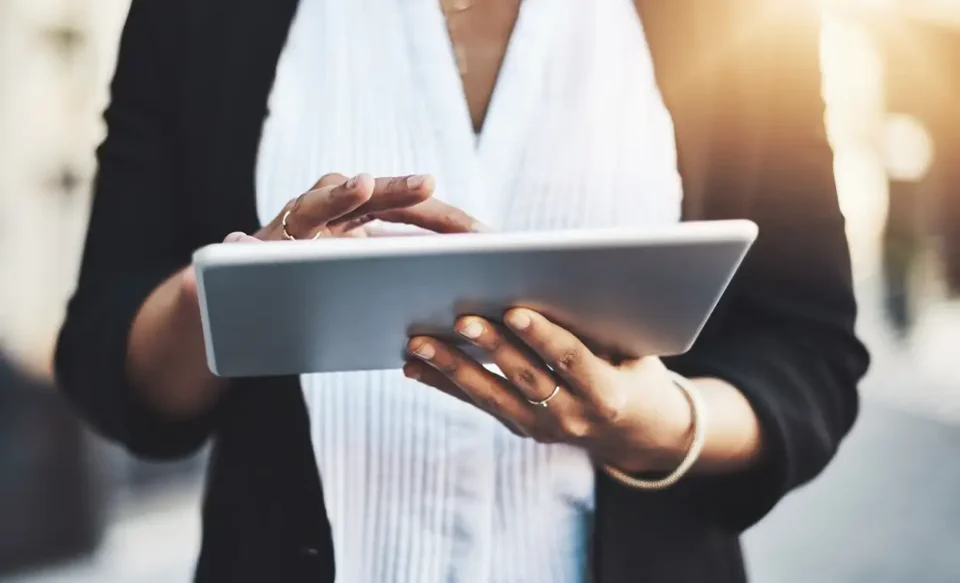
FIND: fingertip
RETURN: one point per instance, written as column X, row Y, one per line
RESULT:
column 422, row 348
column 518, row 318
column 412, row 371
column 470, row 327
column 363, row 183
column 240, row 237
column 418, row 188
column 188, row 282
column 427, row 185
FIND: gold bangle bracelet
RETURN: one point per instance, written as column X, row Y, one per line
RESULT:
column 697, row 420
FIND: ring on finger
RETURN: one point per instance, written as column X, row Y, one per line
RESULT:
column 286, row 233
column 545, row 402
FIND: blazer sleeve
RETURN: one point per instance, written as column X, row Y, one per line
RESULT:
column 136, row 238
column 785, row 336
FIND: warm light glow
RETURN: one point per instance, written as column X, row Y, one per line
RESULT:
column 907, row 148
column 870, row 146
column 853, row 91
column 936, row 10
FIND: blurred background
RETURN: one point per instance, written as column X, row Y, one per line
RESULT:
column 75, row 509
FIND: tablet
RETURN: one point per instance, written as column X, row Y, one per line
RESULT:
column 337, row 305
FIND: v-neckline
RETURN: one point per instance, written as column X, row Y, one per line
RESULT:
column 481, row 161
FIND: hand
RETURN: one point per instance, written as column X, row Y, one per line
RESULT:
column 340, row 207
column 628, row 414
column 166, row 357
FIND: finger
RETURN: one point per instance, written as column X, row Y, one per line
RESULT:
column 392, row 193
column 488, row 391
column 317, row 208
column 423, row 373
column 239, row 237
column 563, row 352
column 519, row 364
column 431, row 377
column 383, row 230
column 354, row 227
column 435, row 215
column 332, row 179
column 188, row 284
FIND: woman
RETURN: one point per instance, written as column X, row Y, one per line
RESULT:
column 223, row 113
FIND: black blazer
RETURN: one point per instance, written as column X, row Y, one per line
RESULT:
column 741, row 80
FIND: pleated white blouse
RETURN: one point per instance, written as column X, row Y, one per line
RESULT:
column 419, row 487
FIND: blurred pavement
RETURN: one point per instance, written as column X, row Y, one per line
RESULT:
column 152, row 541
column 886, row 511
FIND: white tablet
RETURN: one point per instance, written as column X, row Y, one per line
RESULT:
column 351, row 304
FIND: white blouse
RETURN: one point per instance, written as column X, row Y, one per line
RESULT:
column 419, row 487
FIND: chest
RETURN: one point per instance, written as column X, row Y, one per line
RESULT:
column 480, row 31
column 574, row 133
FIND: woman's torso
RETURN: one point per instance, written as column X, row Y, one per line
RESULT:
column 419, row 487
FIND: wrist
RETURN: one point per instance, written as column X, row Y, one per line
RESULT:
column 658, row 438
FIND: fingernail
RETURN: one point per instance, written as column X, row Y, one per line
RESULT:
column 411, row 373
column 425, row 351
column 234, row 237
column 473, row 330
column 352, row 183
column 415, row 181
column 518, row 320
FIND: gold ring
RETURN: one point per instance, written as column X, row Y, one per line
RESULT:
column 546, row 401
column 288, row 236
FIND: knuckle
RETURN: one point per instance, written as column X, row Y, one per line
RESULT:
column 294, row 204
column 575, row 429
column 569, row 359
column 353, row 195
column 331, row 179
column 292, row 214
column 526, row 377
column 492, row 341
column 489, row 401
column 607, row 410
column 396, row 184
column 449, row 367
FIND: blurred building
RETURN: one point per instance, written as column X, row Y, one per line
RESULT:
column 55, row 59
column 916, row 53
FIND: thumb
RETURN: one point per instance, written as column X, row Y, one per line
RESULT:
column 188, row 284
